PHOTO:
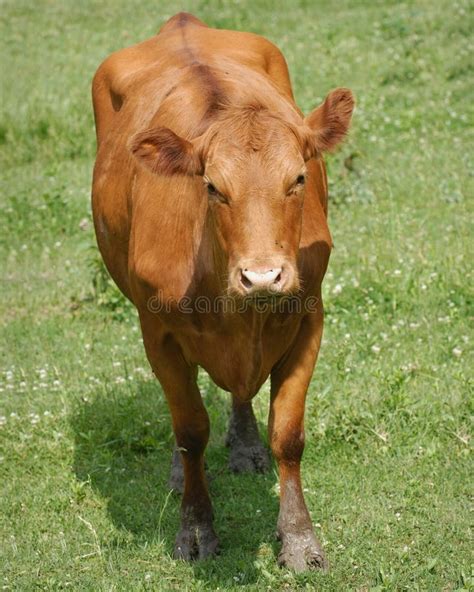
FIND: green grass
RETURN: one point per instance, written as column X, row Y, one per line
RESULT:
column 84, row 433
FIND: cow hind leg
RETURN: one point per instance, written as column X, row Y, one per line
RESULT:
column 247, row 452
column 176, row 479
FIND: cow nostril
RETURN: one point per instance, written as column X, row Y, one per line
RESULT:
column 277, row 279
column 244, row 280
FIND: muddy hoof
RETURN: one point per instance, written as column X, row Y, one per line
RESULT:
column 197, row 542
column 301, row 552
column 249, row 459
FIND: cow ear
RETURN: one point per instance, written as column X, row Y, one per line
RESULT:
column 329, row 123
column 165, row 153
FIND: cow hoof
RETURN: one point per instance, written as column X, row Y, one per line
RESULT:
column 197, row 542
column 249, row 459
column 302, row 553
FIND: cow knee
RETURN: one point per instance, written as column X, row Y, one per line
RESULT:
column 192, row 438
column 287, row 444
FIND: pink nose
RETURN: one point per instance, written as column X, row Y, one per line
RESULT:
column 258, row 279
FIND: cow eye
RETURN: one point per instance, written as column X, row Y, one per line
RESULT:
column 215, row 194
column 298, row 184
column 300, row 180
column 211, row 189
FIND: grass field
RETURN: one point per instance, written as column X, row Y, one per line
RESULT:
column 85, row 435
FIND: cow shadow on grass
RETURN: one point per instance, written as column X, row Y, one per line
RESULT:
column 123, row 445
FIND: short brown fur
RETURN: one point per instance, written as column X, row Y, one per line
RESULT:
column 209, row 183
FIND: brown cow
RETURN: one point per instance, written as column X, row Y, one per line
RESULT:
column 210, row 203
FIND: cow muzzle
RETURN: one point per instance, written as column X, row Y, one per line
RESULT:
column 276, row 279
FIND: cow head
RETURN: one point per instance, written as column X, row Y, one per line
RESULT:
column 252, row 163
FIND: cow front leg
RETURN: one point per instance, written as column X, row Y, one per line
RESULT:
column 176, row 478
column 196, row 538
column 247, row 452
column 300, row 548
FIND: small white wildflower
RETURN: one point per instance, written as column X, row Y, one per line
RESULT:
column 375, row 348
column 337, row 289
column 57, row 244
column 457, row 351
